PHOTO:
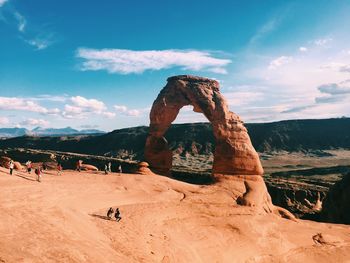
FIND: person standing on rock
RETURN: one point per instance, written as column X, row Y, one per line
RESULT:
column 78, row 165
column 12, row 166
column 29, row 166
column 59, row 169
column 106, row 169
column 38, row 174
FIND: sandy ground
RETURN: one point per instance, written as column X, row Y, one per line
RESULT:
column 62, row 219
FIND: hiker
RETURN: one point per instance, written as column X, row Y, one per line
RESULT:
column 109, row 167
column 106, row 169
column 59, row 169
column 29, row 166
column 78, row 165
column 38, row 174
column 117, row 215
column 12, row 165
column 120, row 169
column 110, row 213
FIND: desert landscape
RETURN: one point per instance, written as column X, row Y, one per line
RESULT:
column 174, row 131
column 230, row 218
column 63, row 219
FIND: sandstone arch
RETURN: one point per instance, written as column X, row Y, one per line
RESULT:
column 234, row 153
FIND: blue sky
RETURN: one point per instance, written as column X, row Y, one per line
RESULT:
column 101, row 64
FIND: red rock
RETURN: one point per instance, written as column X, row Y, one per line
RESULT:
column 88, row 167
column 17, row 166
column 142, row 168
column 5, row 162
column 234, row 153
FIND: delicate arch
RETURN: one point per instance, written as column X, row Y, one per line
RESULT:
column 234, row 153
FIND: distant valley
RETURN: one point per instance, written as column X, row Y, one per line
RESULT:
column 193, row 139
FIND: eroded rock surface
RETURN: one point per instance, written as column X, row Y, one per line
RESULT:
column 234, row 153
column 336, row 208
column 236, row 164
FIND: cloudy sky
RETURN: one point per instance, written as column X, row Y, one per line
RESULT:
column 100, row 64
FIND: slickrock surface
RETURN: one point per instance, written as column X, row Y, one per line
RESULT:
column 63, row 219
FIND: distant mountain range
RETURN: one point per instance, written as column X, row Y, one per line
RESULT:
column 197, row 138
column 38, row 131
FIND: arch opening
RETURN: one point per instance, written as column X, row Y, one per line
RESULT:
column 191, row 141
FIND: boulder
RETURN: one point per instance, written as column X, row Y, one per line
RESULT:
column 18, row 166
column 5, row 162
column 143, row 168
column 88, row 167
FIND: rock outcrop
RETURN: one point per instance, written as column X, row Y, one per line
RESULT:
column 234, row 153
column 17, row 166
column 236, row 164
column 143, row 168
column 336, row 206
column 88, row 167
column 5, row 161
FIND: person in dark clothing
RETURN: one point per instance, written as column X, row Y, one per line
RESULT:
column 38, row 174
column 110, row 213
column 117, row 215
column 106, row 169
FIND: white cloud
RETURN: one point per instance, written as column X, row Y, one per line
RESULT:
column 297, row 85
column 303, row 49
column 2, row 2
column 108, row 114
column 54, row 98
column 128, row 112
column 13, row 103
column 39, row 43
column 241, row 98
column 88, row 104
column 129, row 61
column 4, row 121
column 22, row 22
column 280, row 61
column 35, row 122
column 82, row 107
column 322, row 41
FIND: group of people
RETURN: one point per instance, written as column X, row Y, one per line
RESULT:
column 40, row 168
column 116, row 214
column 108, row 168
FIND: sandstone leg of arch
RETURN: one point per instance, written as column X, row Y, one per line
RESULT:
column 234, row 153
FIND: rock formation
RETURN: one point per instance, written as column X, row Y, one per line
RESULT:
column 234, row 153
column 236, row 164
column 142, row 168
column 88, row 167
column 5, row 161
column 336, row 206
column 17, row 166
